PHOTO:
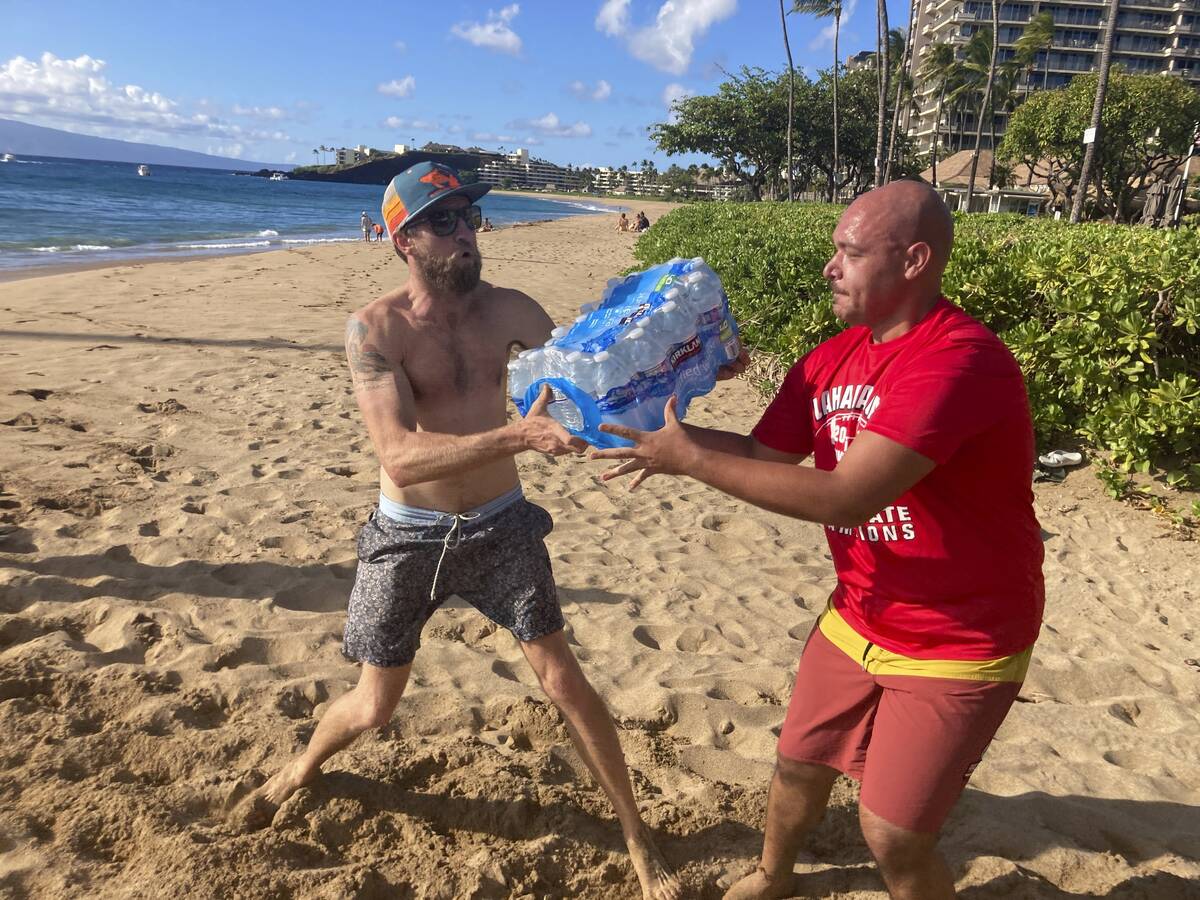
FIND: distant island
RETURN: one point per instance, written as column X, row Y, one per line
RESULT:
column 23, row 139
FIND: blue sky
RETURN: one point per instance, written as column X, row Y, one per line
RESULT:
column 575, row 81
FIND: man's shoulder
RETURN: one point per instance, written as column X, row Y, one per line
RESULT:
column 384, row 311
column 962, row 334
column 510, row 301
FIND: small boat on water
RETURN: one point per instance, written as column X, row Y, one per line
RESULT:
column 278, row 176
column 8, row 157
column 143, row 169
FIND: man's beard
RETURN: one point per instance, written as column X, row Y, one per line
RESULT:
column 448, row 275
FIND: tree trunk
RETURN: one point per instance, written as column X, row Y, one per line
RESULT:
column 891, row 155
column 986, row 103
column 791, row 97
column 837, row 27
column 937, row 128
column 1089, row 155
column 883, row 73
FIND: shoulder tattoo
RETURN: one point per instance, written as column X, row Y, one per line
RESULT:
column 368, row 367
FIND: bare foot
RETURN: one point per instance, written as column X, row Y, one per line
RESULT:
column 657, row 880
column 758, row 885
column 257, row 810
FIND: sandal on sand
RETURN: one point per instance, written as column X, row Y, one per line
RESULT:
column 1056, row 458
column 1056, row 475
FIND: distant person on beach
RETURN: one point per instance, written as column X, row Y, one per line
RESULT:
column 378, row 229
column 623, row 223
column 487, row 225
column 642, row 222
column 918, row 423
column 366, row 225
column 428, row 366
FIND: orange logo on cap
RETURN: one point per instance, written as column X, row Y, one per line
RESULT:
column 440, row 179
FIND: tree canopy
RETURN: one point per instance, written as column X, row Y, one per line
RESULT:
column 1145, row 133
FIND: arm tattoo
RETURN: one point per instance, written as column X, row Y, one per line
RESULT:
column 368, row 367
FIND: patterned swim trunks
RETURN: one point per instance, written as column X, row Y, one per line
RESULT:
column 496, row 561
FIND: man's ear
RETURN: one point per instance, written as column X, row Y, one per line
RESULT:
column 920, row 257
column 402, row 242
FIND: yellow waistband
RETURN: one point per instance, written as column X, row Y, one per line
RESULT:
column 879, row 661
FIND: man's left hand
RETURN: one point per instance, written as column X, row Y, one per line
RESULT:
column 735, row 368
column 668, row 451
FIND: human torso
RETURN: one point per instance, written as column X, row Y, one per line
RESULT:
column 455, row 363
column 951, row 569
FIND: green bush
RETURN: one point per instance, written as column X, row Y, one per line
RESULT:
column 1102, row 318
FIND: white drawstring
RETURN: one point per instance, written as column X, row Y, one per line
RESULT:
column 455, row 534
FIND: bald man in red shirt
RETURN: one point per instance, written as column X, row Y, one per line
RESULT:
column 918, row 423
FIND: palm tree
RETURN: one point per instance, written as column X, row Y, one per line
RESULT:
column 1037, row 35
column 1004, row 98
column 940, row 68
column 1089, row 155
column 883, row 73
column 985, row 105
column 823, row 9
column 903, row 82
column 791, row 97
column 315, row 153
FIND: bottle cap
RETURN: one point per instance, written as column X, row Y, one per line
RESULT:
column 635, row 333
column 559, row 331
column 668, row 307
column 601, row 356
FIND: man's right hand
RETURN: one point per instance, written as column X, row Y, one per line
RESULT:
column 542, row 433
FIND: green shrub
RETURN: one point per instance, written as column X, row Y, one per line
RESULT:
column 1102, row 318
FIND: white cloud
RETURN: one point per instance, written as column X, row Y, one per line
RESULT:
column 669, row 43
column 602, row 90
column 550, row 126
column 291, row 157
column 825, row 37
column 492, row 138
column 414, row 124
column 495, row 33
column 75, row 93
column 267, row 113
column 234, row 150
column 401, row 46
column 613, row 18
column 673, row 92
column 398, row 88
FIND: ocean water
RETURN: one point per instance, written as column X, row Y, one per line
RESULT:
column 65, row 211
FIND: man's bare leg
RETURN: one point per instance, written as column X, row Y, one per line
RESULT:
column 909, row 861
column 595, row 737
column 369, row 705
column 795, row 804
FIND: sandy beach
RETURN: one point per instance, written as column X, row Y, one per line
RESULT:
column 184, row 473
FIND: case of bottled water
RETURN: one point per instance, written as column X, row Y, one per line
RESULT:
column 655, row 333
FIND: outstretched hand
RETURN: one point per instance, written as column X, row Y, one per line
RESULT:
column 735, row 368
column 668, row 451
column 542, row 433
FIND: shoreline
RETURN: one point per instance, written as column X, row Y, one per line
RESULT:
column 24, row 273
column 57, row 267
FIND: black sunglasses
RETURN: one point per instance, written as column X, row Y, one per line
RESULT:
column 443, row 222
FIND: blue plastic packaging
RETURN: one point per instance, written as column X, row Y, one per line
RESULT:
column 657, row 333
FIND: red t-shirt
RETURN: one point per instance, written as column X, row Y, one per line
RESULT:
column 953, row 569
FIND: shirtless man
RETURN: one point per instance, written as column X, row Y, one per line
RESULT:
column 428, row 363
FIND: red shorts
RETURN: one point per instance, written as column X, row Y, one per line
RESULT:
column 912, row 740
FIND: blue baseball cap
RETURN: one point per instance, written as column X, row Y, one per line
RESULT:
column 420, row 186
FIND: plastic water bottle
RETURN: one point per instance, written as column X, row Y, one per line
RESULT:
column 655, row 333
